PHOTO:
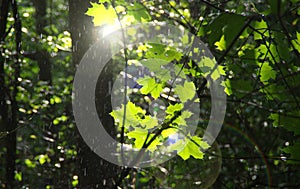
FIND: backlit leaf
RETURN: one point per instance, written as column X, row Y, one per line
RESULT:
column 101, row 14
column 221, row 45
column 262, row 29
column 150, row 86
column 186, row 92
column 132, row 117
column 18, row 176
column 167, row 132
column 294, row 151
column 171, row 109
column 192, row 148
column 267, row 73
column 160, row 51
column 209, row 67
column 296, row 42
column 288, row 122
column 181, row 119
column 140, row 136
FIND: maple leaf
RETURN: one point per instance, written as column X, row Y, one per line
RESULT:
column 101, row 14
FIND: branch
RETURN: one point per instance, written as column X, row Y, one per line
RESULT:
column 3, row 18
column 221, row 59
column 286, row 32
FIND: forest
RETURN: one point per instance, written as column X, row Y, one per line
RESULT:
column 149, row 94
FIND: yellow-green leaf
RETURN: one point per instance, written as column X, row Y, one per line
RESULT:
column 101, row 14
column 18, row 176
column 221, row 45
column 267, row 73
column 132, row 115
column 150, row 86
column 192, row 148
column 210, row 67
column 171, row 109
column 140, row 136
column 186, row 92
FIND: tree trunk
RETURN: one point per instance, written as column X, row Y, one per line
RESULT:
column 3, row 94
column 94, row 172
column 41, row 55
column 9, row 113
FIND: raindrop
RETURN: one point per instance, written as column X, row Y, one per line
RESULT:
column 283, row 158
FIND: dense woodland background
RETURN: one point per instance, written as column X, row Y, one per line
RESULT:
column 257, row 42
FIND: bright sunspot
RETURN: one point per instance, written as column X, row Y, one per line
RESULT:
column 109, row 28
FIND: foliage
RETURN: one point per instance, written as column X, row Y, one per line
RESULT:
column 252, row 50
column 257, row 49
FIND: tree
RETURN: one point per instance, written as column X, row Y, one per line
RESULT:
column 9, row 117
column 243, row 37
column 94, row 172
column 256, row 45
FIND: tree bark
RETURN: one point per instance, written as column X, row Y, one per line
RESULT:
column 3, row 94
column 9, row 113
column 41, row 55
column 94, row 172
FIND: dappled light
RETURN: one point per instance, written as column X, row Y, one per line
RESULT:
column 149, row 94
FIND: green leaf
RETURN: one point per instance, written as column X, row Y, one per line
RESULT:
column 178, row 146
column 140, row 136
column 55, row 99
column 288, row 122
column 150, row 86
column 160, row 51
column 135, row 116
column 181, row 119
column 226, row 24
column 139, row 12
column 192, row 148
column 167, row 132
column 221, row 45
column 75, row 182
column 171, row 109
column 186, row 92
column 29, row 163
column 262, row 30
column 267, row 50
column 275, row 118
column 266, row 73
column 155, row 65
column 227, row 85
column 185, row 39
column 101, row 14
column 55, row 121
column 18, row 176
column 210, row 67
column 294, row 151
column 296, row 42
column 43, row 159
column 260, row 51
column 149, row 122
